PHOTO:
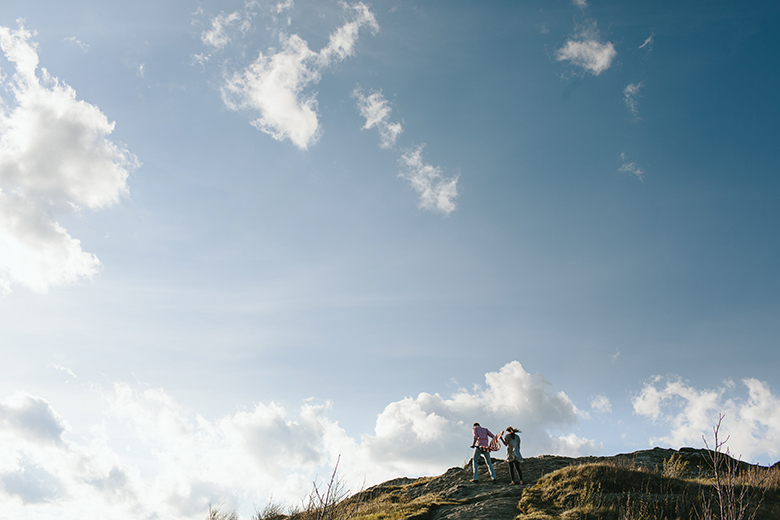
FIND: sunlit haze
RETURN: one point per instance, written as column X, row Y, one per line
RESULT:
column 240, row 240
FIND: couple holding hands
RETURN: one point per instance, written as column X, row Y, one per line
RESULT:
column 485, row 442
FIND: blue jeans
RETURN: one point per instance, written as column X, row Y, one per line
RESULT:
column 486, row 454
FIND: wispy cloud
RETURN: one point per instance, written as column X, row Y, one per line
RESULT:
column 580, row 3
column 752, row 420
column 436, row 191
column 630, row 167
column 586, row 51
column 218, row 35
column 62, row 369
column 54, row 157
column 283, row 6
column 648, row 43
column 72, row 39
column 601, row 404
column 376, row 109
column 274, row 84
column 630, row 97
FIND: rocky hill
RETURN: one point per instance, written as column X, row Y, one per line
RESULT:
column 648, row 474
column 648, row 484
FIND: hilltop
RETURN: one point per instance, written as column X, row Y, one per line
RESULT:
column 647, row 484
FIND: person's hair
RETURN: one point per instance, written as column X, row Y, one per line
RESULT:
column 476, row 424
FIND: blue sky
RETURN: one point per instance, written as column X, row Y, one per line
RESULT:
column 240, row 239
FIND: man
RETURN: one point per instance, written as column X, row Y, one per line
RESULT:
column 481, row 442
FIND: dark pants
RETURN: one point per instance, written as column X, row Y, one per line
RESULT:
column 514, row 465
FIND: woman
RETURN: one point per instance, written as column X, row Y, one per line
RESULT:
column 512, row 442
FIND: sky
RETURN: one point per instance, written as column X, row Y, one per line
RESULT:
column 242, row 242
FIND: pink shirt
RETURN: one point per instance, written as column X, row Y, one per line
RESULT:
column 482, row 436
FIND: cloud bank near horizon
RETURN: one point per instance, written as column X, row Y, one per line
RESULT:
column 152, row 456
column 752, row 421
column 177, row 462
column 55, row 157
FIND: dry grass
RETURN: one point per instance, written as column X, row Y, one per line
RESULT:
column 604, row 491
column 610, row 491
column 216, row 513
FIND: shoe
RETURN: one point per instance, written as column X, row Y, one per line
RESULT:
column 513, row 483
column 474, row 480
column 521, row 483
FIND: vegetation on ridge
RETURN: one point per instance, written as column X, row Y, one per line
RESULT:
column 615, row 491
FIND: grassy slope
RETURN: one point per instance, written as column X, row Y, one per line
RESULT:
column 608, row 491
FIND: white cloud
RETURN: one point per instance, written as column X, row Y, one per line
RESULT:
column 32, row 418
column 72, row 39
column 436, row 191
column 150, row 457
column 601, row 403
column 580, row 3
column 648, row 43
column 54, row 156
column 280, row 7
column 586, row 51
column 630, row 95
column 63, row 369
column 752, row 421
column 630, row 167
column 274, row 84
column 217, row 36
column 376, row 109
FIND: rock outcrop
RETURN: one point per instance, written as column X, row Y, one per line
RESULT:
column 452, row 496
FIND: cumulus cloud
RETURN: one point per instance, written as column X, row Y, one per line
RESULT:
column 630, row 95
column 752, row 420
column 274, row 85
column 376, row 109
column 54, row 156
column 31, row 483
column 151, row 457
column 437, row 192
column 418, row 435
column 630, row 167
column 31, row 417
column 586, row 51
